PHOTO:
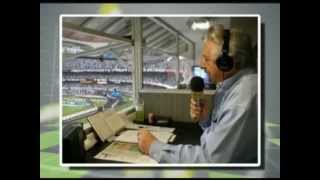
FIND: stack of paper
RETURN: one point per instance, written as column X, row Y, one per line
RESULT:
column 124, row 147
column 100, row 126
column 106, row 124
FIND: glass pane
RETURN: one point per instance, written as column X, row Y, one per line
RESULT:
column 101, row 75
column 159, row 57
column 186, row 62
column 159, row 70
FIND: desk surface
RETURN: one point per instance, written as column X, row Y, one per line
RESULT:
column 186, row 133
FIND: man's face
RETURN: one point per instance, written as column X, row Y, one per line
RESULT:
column 210, row 54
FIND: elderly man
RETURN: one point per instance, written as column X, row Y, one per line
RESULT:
column 230, row 128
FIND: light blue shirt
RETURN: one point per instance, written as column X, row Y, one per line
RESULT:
column 229, row 135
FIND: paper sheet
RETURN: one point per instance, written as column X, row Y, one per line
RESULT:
column 114, row 121
column 132, row 136
column 106, row 124
column 149, row 127
column 125, row 152
column 100, row 126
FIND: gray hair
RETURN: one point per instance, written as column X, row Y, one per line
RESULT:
column 240, row 47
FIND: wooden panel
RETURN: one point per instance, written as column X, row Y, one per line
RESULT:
column 174, row 105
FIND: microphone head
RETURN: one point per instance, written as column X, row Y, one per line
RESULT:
column 197, row 84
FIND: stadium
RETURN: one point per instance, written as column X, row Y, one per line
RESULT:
column 110, row 80
column 100, row 70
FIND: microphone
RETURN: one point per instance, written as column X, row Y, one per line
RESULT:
column 197, row 86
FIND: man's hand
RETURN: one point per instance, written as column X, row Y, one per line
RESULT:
column 145, row 139
column 198, row 112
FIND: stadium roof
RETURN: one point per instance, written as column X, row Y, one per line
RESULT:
column 93, row 36
column 96, row 35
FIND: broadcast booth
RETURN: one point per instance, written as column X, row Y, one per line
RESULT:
column 122, row 73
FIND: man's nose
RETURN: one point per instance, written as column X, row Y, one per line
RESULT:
column 203, row 65
column 201, row 62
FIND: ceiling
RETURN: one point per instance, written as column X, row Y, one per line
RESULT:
column 92, row 35
column 180, row 23
column 155, row 37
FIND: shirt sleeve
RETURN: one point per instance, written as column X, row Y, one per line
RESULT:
column 218, row 145
column 166, row 153
column 206, row 122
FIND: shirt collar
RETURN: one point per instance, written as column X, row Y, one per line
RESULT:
column 226, row 84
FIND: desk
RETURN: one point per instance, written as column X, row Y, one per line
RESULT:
column 186, row 133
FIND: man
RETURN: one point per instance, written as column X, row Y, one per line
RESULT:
column 230, row 129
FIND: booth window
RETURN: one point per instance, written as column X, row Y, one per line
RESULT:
column 164, row 55
column 98, row 60
column 96, row 71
